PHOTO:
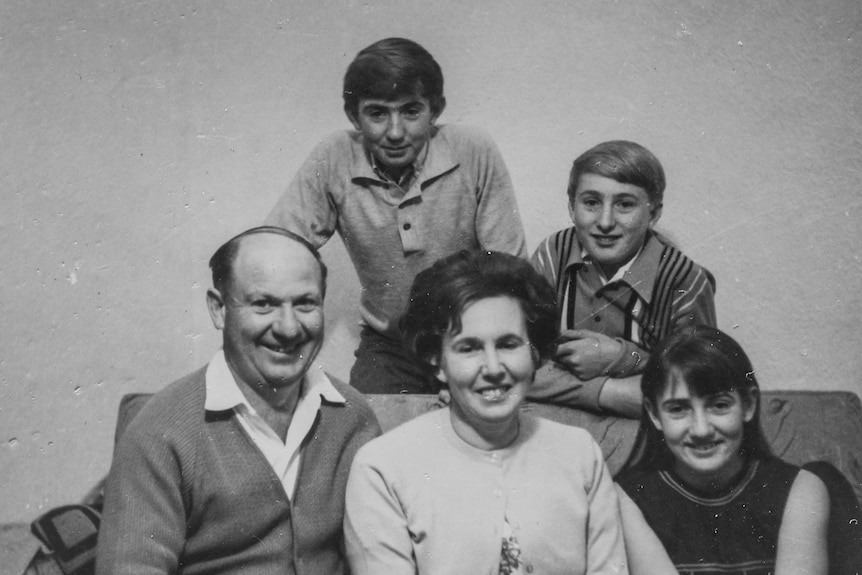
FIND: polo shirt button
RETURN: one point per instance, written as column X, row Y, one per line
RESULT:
column 597, row 318
column 406, row 227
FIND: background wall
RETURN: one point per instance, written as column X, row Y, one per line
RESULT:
column 138, row 136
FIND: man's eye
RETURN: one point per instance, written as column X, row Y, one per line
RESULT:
column 590, row 203
column 307, row 305
column 262, row 305
column 412, row 113
column 375, row 115
column 626, row 205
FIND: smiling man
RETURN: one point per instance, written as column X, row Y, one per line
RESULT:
column 402, row 191
column 621, row 287
column 241, row 466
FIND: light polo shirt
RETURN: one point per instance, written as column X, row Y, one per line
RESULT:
column 461, row 197
column 223, row 393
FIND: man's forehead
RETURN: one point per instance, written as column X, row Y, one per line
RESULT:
column 396, row 102
column 266, row 253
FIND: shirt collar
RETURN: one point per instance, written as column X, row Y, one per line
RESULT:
column 223, row 393
column 436, row 159
column 639, row 273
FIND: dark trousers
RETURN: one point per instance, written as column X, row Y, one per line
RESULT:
column 384, row 365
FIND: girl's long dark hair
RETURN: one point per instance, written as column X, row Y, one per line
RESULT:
column 710, row 362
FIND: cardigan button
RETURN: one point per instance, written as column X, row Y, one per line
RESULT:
column 406, row 226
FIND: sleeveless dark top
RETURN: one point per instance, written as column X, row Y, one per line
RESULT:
column 734, row 532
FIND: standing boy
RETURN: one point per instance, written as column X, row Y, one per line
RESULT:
column 621, row 287
column 402, row 192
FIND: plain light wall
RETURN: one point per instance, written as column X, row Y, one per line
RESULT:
column 138, row 136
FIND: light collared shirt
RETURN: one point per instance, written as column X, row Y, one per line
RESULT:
column 223, row 393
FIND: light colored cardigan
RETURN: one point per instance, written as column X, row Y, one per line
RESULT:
column 421, row 500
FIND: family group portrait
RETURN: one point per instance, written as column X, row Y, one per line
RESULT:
column 372, row 288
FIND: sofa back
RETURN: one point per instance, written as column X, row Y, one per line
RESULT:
column 801, row 426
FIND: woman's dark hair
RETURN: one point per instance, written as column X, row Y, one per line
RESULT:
column 710, row 362
column 442, row 292
column 624, row 162
column 390, row 69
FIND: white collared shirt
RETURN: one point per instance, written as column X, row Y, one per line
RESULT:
column 223, row 393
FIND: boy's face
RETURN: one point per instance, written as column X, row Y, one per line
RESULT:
column 611, row 220
column 395, row 131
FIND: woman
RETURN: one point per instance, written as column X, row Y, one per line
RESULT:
column 703, row 475
column 478, row 487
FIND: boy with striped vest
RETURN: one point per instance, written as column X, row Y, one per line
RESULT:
column 621, row 287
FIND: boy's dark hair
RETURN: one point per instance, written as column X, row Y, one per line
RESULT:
column 390, row 69
column 222, row 260
column 442, row 292
column 625, row 162
column 710, row 362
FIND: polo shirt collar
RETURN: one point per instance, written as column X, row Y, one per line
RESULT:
column 438, row 159
column 640, row 275
column 223, row 393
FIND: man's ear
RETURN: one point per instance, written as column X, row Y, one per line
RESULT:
column 652, row 412
column 654, row 216
column 749, row 404
column 439, row 112
column 354, row 119
column 215, row 305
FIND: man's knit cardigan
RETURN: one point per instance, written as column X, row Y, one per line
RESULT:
column 189, row 492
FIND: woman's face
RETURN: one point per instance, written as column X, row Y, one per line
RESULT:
column 488, row 366
column 704, row 434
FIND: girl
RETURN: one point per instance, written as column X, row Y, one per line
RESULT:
column 703, row 475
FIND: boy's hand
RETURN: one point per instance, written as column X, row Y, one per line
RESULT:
column 586, row 353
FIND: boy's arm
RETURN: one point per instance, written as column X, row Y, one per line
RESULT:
column 498, row 222
column 305, row 207
column 556, row 385
column 589, row 354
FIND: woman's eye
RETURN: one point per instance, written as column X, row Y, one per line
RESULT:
column 464, row 348
column 675, row 410
column 510, row 344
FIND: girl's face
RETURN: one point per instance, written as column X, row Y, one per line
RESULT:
column 488, row 366
column 704, row 433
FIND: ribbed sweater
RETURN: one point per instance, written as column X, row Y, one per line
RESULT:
column 189, row 492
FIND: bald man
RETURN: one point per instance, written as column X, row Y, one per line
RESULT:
column 240, row 467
